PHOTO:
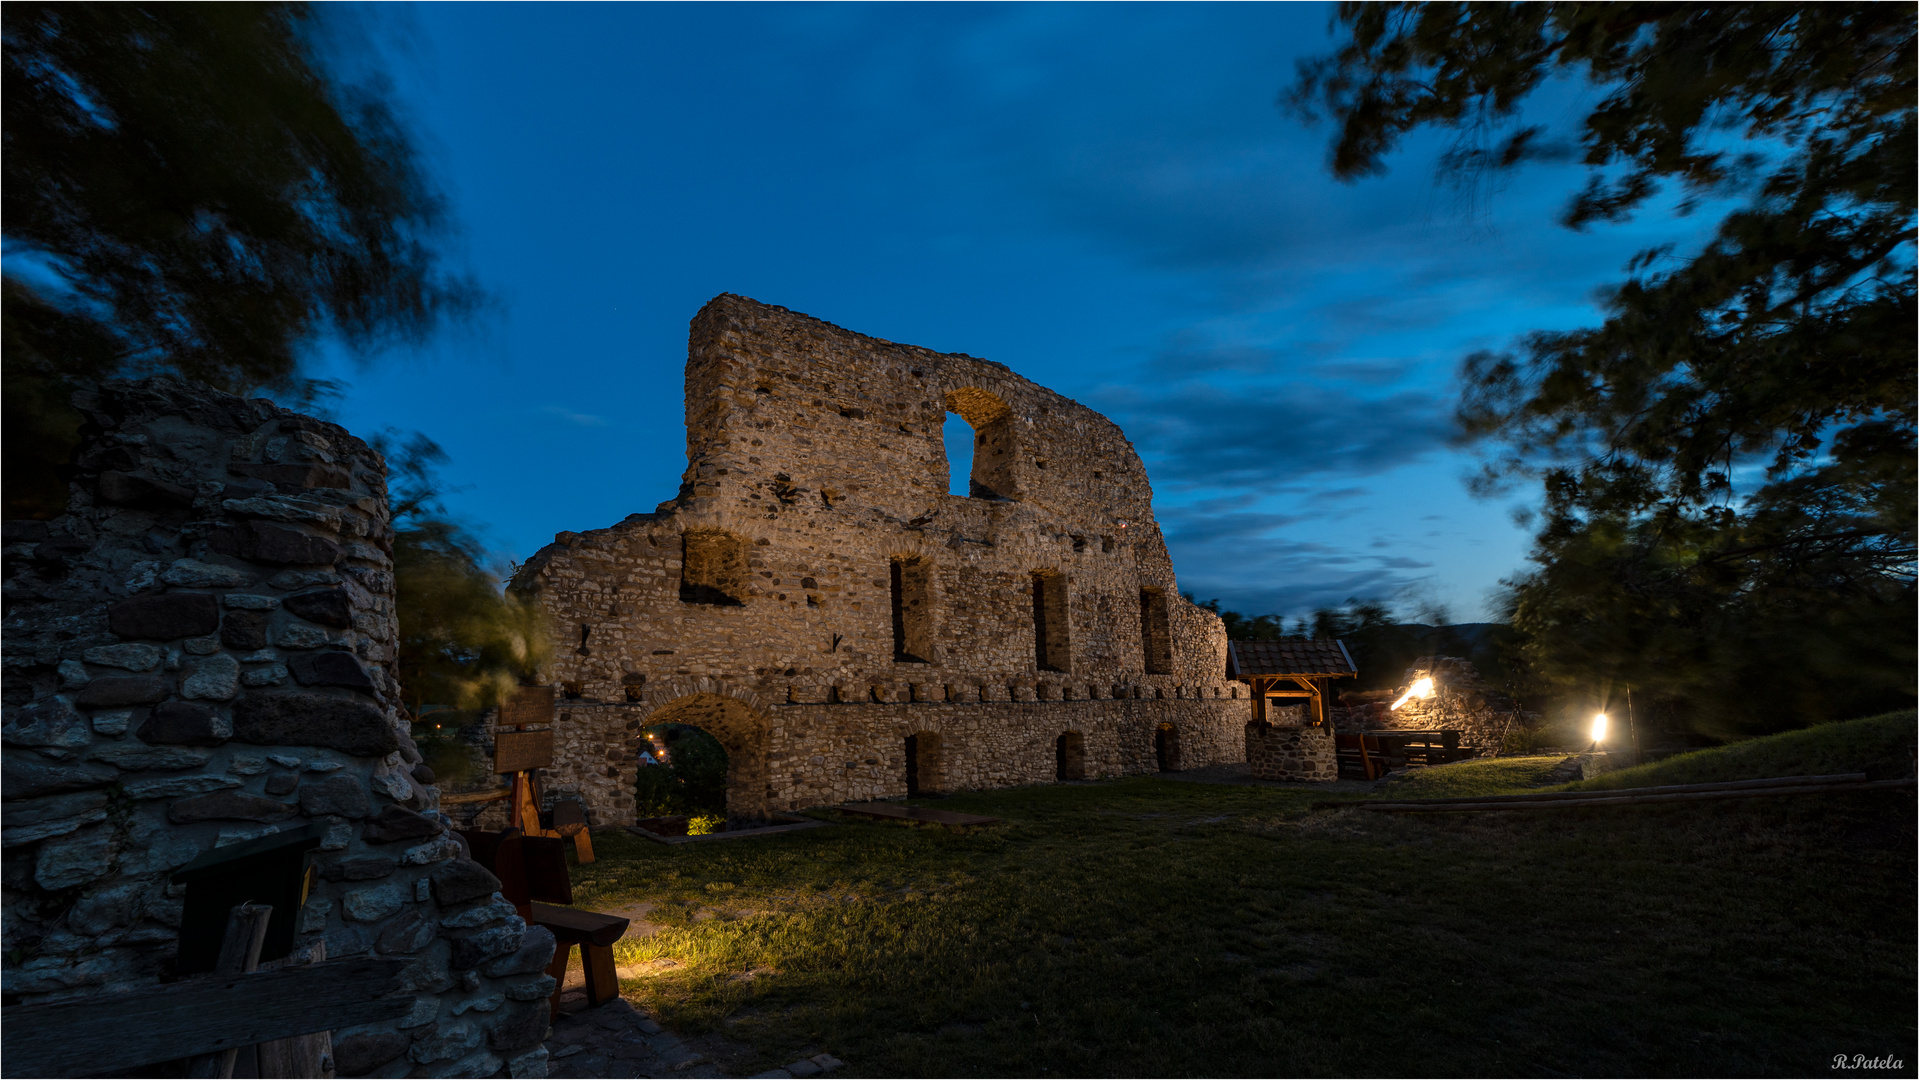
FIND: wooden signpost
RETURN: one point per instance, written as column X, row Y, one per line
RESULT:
column 520, row 751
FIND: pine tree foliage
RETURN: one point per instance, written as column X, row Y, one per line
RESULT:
column 1727, row 461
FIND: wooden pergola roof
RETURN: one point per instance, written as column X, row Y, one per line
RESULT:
column 1318, row 658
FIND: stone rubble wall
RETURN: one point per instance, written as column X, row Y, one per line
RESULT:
column 199, row 652
column 1290, row 749
column 821, row 451
column 1462, row 702
column 811, row 755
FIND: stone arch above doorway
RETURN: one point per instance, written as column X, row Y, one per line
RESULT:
column 737, row 720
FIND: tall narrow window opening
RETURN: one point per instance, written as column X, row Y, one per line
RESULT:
column 1052, row 628
column 912, row 587
column 959, row 455
column 1155, row 637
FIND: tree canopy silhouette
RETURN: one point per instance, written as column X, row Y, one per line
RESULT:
column 187, row 187
column 1727, row 461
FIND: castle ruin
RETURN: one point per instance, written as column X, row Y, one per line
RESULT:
column 816, row 600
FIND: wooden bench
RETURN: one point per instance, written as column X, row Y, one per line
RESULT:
column 595, row 934
column 533, row 878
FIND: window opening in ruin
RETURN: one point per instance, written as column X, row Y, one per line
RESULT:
column 1166, row 748
column 1154, row 635
column 922, row 764
column 1070, row 751
column 682, row 773
column 712, row 568
column 958, row 435
column 912, row 611
column 989, row 467
column 1052, row 630
column 572, row 691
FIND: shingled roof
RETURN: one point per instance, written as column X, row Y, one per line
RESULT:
column 1319, row 657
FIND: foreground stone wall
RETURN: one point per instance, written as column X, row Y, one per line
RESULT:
column 200, row 651
column 1461, row 702
column 759, row 603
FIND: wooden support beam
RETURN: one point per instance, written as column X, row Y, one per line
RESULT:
column 213, row 1013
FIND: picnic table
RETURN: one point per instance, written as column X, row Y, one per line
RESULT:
column 1372, row 754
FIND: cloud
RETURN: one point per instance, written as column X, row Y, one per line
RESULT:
column 1243, row 558
column 1262, row 437
column 575, row 418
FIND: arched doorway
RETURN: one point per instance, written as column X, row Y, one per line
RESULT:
column 1070, row 754
column 923, row 768
column 682, row 773
column 711, row 733
column 1166, row 748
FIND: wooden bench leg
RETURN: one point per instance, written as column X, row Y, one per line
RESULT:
column 602, row 982
column 562, row 952
column 583, row 846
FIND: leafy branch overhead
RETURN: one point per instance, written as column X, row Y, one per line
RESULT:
column 1727, row 459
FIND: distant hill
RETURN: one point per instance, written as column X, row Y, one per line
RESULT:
column 1384, row 653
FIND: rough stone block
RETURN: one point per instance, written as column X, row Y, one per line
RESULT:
column 135, row 756
column 330, row 669
column 520, row 1025
column 395, row 823
column 446, row 1042
column 344, row 796
column 371, row 868
column 481, row 914
column 245, row 630
column 365, row 1051
column 211, row 678
column 296, row 719
column 184, row 723
column 24, row 776
column 229, row 806
column 126, row 489
column 461, row 880
column 372, row 905
column 535, row 952
column 328, row 607
column 474, row 949
column 124, row 690
column 260, row 542
column 130, row 656
column 536, row 988
column 194, row 574
column 48, row 722
column 165, row 616
column 407, row 934
column 76, row 859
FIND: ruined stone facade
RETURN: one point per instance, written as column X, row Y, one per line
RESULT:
column 200, row 651
column 814, row 595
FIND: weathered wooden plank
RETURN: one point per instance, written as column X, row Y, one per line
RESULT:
column 239, row 954
column 212, row 1013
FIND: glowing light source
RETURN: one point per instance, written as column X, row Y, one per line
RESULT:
column 1423, row 688
column 1599, row 727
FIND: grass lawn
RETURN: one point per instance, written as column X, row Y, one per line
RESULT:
column 1162, row 928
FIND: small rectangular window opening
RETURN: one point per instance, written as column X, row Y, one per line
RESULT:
column 1052, row 628
column 1154, row 635
column 911, row 587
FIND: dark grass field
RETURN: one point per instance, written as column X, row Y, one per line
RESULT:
column 1148, row 927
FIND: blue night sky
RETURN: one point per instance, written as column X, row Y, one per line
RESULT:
column 1104, row 198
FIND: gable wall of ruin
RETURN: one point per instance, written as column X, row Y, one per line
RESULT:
column 815, row 460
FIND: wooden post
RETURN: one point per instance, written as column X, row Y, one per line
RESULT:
column 583, row 846
column 239, row 955
column 309, row 1055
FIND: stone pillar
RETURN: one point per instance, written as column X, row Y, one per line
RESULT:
column 201, row 651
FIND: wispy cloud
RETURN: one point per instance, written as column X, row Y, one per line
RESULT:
column 577, row 419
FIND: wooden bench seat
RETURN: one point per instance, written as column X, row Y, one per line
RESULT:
column 595, row 934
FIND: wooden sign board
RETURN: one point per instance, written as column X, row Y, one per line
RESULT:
column 528, row 705
column 517, row 750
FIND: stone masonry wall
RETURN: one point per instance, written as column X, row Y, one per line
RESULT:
column 200, row 651
column 818, row 454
